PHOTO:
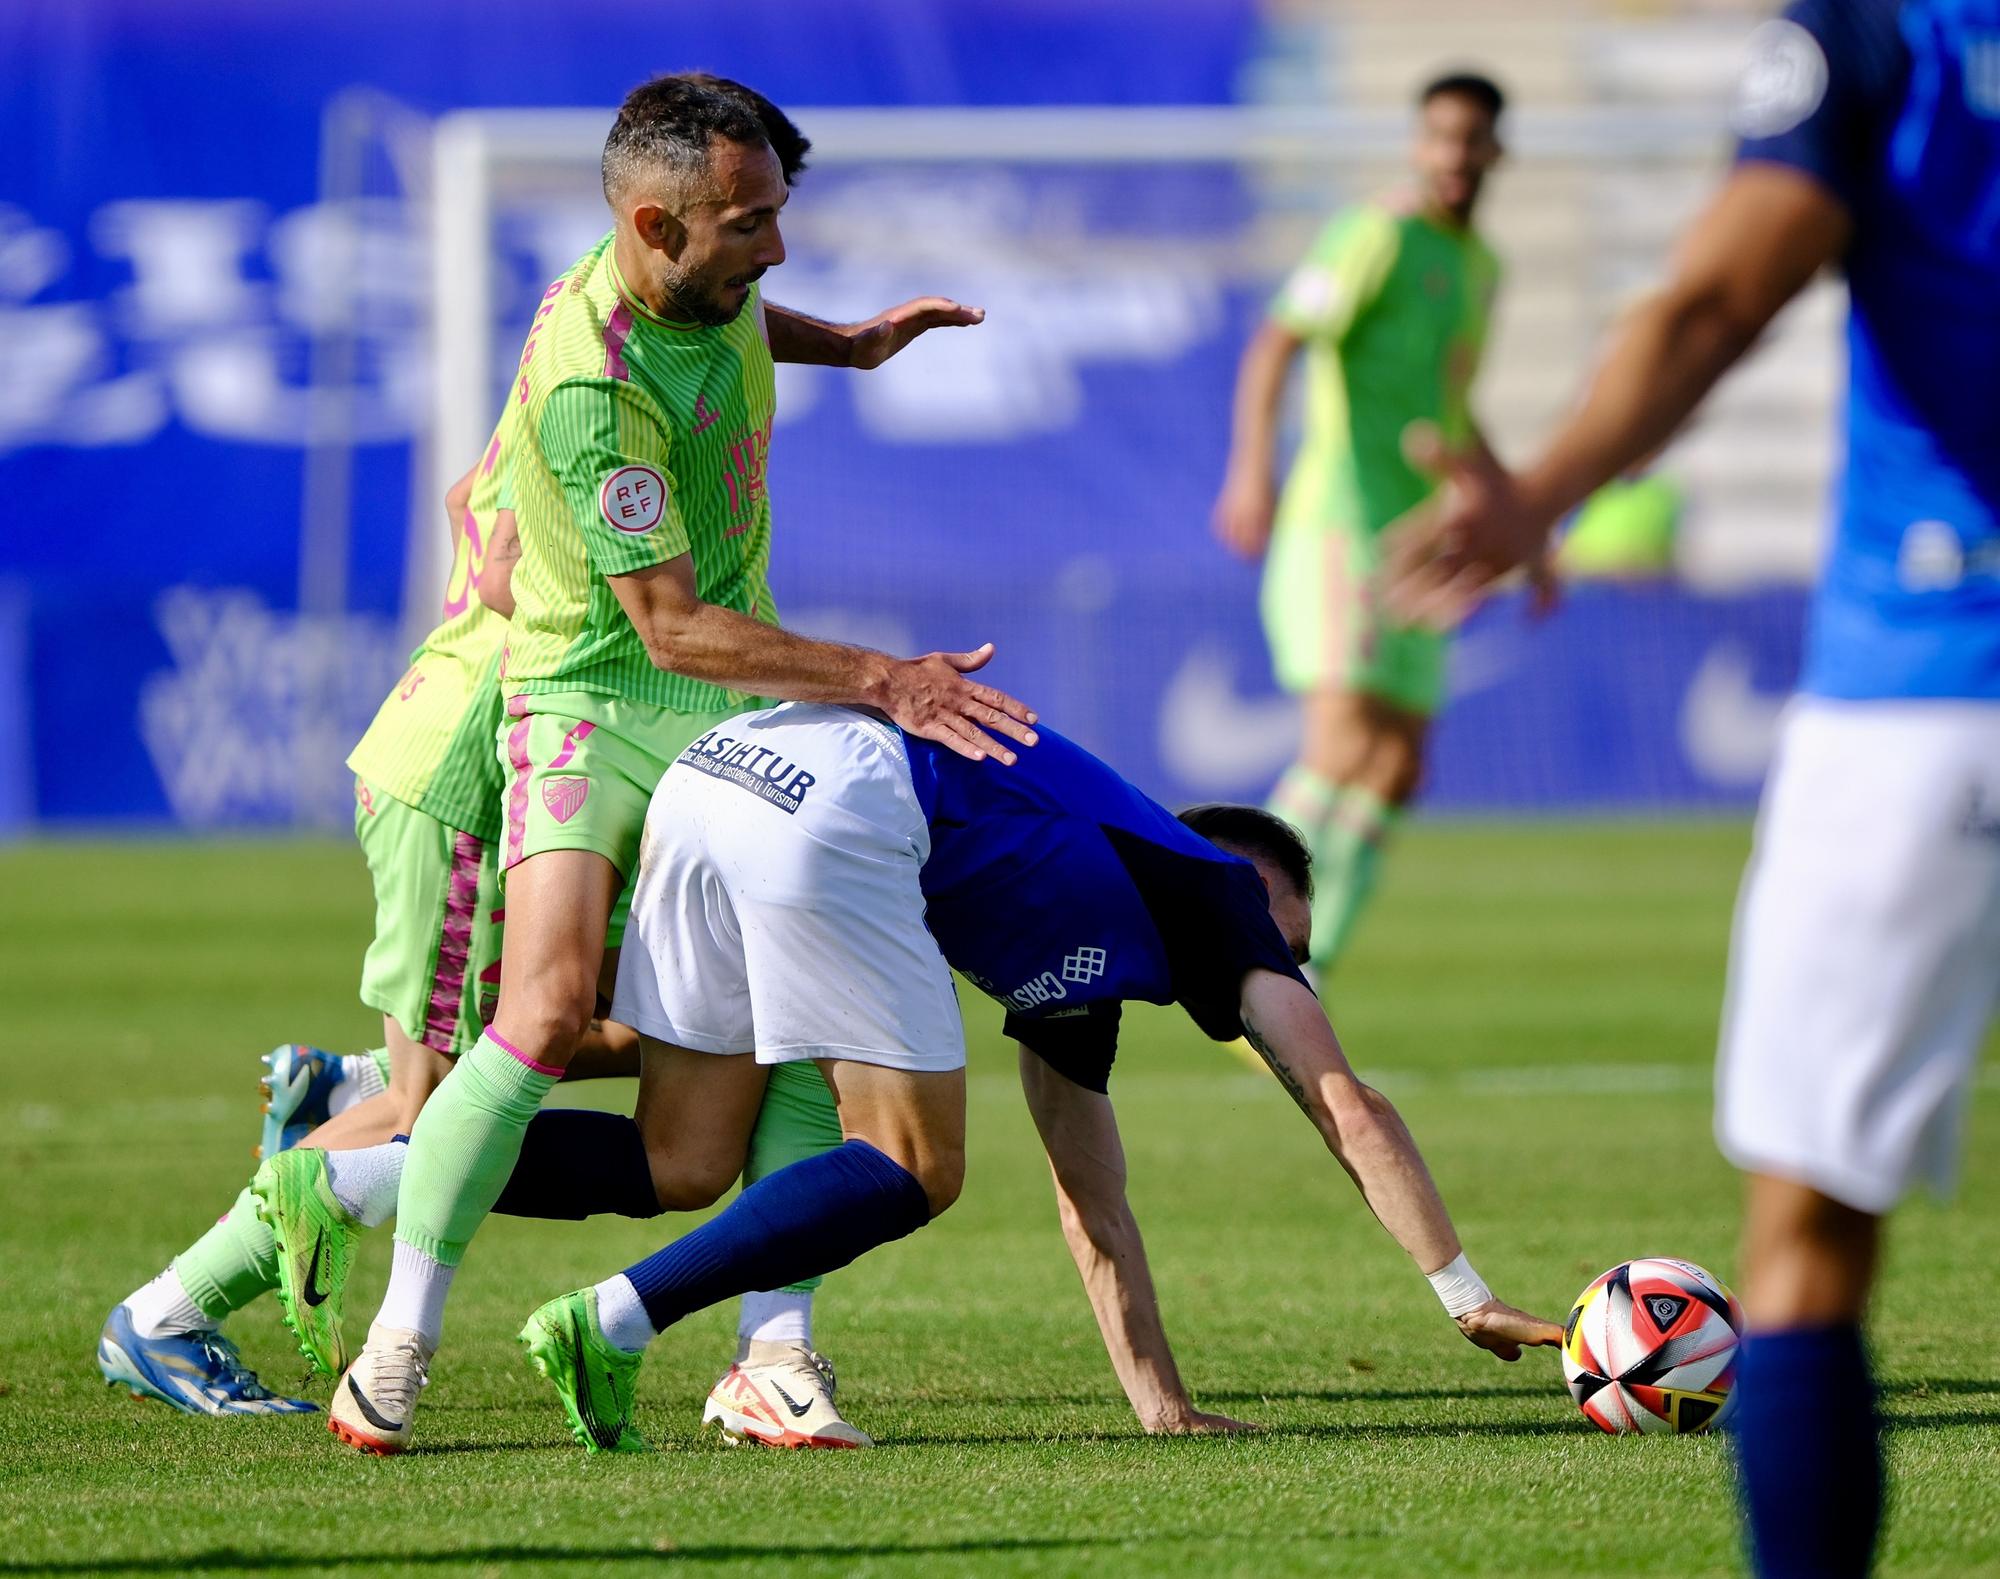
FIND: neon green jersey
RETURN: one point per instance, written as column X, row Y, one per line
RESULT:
column 431, row 744
column 1393, row 309
column 641, row 440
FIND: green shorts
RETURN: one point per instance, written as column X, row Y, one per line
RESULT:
column 581, row 769
column 1326, row 628
column 434, row 964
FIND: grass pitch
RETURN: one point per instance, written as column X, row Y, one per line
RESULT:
column 1540, row 1000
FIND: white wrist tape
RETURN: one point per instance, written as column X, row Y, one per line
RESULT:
column 1460, row 1287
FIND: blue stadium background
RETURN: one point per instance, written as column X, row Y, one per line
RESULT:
column 166, row 296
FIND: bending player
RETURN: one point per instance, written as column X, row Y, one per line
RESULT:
column 642, row 617
column 812, row 876
column 1862, row 974
column 1390, row 309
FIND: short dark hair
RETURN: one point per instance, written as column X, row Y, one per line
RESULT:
column 672, row 121
column 789, row 143
column 1473, row 85
column 1253, row 831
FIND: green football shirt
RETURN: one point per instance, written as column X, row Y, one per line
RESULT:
column 1393, row 309
column 642, row 440
column 431, row 742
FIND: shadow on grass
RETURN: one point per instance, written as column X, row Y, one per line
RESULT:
column 1943, row 1386
column 227, row 1559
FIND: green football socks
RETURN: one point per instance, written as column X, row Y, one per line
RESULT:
column 1345, row 827
column 798, row 1120
column 464, row 1145
column 232, row 1263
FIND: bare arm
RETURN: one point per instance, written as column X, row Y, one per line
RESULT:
column 456, row 498
column 798, row 337
column 495, row 581
column 1087, row 1159
column 1249, row 497
column 928, row 696
column 1756, row 246
column 1367, row 1137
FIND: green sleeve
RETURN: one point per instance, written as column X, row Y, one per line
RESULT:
column 1343, row 273
column 607, row 449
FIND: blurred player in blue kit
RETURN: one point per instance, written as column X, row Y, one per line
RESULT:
column 1867, row 948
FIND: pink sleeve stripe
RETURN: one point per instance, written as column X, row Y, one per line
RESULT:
column 616, row 328
column 518, row 1056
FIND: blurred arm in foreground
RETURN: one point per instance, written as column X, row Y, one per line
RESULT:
column 1759, row 242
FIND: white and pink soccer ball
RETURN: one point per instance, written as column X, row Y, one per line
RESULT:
column 1650, row 1347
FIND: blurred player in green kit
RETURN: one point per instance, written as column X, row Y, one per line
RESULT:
column 1390, row 308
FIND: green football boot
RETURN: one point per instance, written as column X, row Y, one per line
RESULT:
column 593, row 1377
column 316, row 1240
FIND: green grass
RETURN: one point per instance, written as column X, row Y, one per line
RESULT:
column 1541, row 1001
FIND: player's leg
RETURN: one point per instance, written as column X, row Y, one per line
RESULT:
column 466, row 1140
column 1861, row 983
column 744, row 916
column 902, row 1161
column 777, row 1371
column 436, row 933
column 580, row 771
column 1359, row 765
column 304, row 1087
column 1367, row 691
column 695, row 1113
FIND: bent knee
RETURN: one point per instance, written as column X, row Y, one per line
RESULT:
column 942, row 1177
column 549, row 1017
column 687, row 1184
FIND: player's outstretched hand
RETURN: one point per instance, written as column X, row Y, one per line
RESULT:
column 1198, row 1422
column 1503, row 1330
column 877, row 339
column 931, row 697
column 1445, row 555
column 1243, row 512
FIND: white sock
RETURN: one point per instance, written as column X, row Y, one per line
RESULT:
column 622, row 1315
column 360, row 1079
column 365, row 1181
column 163, row 1307
column 418, row 1284
column 779, row 1316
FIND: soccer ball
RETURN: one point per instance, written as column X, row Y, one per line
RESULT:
column 1650, row 1347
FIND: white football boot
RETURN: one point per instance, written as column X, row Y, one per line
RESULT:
column 780, row 1395
column 373, row 1402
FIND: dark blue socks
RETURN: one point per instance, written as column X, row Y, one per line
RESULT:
column 1808, row 1456
column 577, row 1163
column 817, row 1214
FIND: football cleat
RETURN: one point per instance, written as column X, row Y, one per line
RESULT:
column 374, row 1401
column 316, row 1240
column 298, row 1084
column 780, row 1395
column 594, row 1378
column 199, row 1373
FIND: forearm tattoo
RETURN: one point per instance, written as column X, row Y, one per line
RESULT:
column 1278, row 1066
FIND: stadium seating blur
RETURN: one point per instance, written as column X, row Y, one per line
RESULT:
column 233, row 322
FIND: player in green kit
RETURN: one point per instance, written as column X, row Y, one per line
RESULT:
column 1390, row 308
column 642, row 616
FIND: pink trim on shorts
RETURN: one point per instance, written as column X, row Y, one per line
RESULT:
column 461, row 905
column 571, row 740
column 616, row 328
column 515, row 1053
column 517, row 792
